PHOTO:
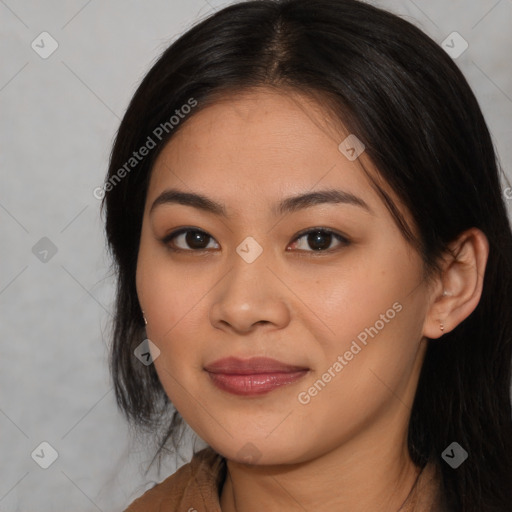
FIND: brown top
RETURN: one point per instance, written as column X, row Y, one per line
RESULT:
column 196, row 487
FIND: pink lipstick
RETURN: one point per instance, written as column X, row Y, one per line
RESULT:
column 252, row 377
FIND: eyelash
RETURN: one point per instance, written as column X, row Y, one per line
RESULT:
column 344, row 241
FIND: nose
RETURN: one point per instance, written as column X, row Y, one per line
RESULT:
column 250, row 295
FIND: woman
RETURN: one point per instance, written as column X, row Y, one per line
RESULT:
column 314, row 267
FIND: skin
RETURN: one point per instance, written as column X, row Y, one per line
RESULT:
column 346, row 449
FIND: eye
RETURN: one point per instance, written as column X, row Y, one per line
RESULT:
column 196, row 240
column 319, row 240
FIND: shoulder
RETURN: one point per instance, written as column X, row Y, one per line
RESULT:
column 193, row 487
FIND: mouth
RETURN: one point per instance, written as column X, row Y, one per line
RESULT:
column 252, row 377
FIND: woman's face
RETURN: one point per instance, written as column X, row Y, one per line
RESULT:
column 343, row 307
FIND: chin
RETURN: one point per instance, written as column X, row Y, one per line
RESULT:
column 261, row 452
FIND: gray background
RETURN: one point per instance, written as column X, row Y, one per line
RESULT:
column 58, row 119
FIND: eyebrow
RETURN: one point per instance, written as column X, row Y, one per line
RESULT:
column 288, row 205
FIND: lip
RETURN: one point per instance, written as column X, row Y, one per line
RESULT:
column 254, row 365
column 255, row 376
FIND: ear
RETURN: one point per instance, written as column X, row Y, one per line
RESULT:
column 458, row 288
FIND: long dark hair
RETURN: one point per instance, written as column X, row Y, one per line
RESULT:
column 423, row 129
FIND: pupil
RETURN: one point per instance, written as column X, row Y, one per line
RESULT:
column 196, row 239
column 319, row 240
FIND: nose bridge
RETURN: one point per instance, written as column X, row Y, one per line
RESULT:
column 250, row 270
column 250, row 293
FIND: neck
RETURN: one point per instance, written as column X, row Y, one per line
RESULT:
column 371, row 473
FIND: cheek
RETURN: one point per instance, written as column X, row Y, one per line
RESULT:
column 365, row 372
column 167, row 291
column 171, row 299
column 177, row 313
column 374, row 311
column 365, row 297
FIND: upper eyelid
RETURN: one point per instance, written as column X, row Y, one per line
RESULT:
column 306, row 231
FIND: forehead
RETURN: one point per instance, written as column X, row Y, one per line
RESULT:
column 257, row 147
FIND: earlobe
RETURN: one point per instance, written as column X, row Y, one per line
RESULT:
column 461, row 279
